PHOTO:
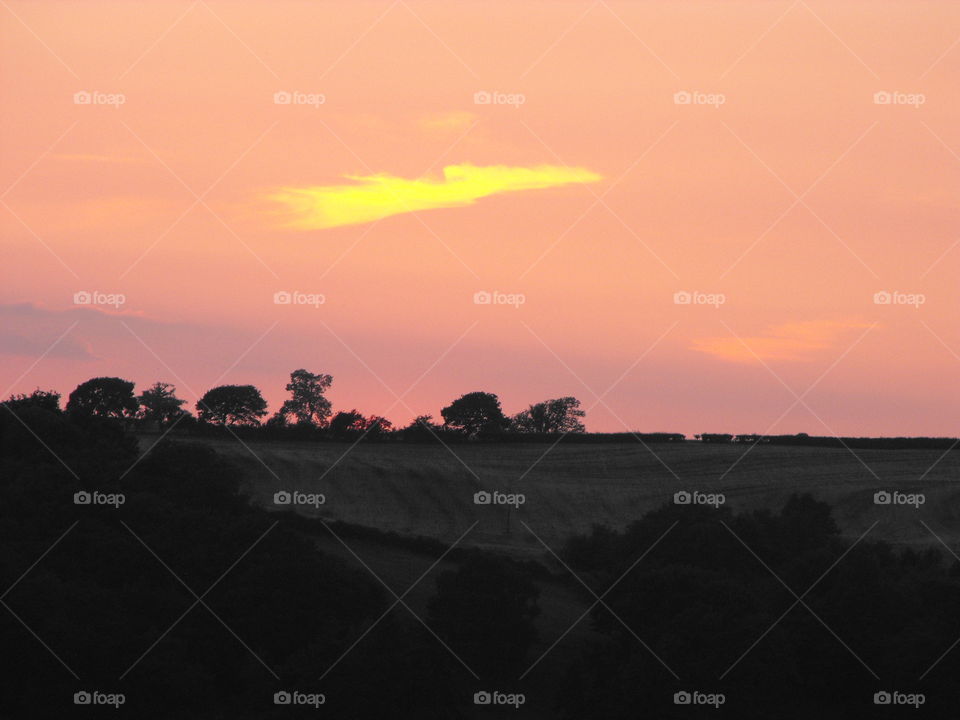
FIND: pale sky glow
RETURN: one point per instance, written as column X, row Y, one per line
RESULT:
column 531, row 147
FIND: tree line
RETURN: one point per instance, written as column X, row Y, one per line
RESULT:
column 306, row 409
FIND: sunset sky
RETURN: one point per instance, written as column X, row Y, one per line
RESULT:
column 693, row 216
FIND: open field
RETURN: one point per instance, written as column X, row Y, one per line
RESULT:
column 428, row 489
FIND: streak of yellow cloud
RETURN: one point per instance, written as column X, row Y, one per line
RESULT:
column 379, row 196
column 793, row 342
column 448, row 121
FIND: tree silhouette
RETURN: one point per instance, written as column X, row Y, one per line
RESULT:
column 160, row 404
column 475, row 412
column 232, row 405
column 307, row 403
column 46, row 399
column 344, row 423
column 110, row 397
column 561, row 415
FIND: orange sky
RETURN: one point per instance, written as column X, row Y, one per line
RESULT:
column 587, row 195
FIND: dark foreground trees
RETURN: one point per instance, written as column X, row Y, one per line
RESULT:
column 710, row 604
column 486, row 609
column 109, row 597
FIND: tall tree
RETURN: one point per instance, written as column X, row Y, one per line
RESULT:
column 560, row 415
column 104, row 397
column 232, row 405
column 307, row 402
column 475, row 412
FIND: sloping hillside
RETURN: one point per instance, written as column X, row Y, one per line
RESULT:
column 429, row 489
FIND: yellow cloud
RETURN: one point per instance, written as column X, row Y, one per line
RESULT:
column 793, row 342
column 379, row 196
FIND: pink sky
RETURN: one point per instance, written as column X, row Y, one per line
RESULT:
column 783, row 197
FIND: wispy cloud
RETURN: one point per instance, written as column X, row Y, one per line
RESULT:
column 456, row 120
column 378, row 196
column 792, row 342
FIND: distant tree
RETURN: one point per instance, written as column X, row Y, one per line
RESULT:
column 376, row 425
column 160, row 404
column 344, row 423
column 475, row 412
column 486, row 609
column 232, row 405
column 110, row 397
column 46, row 399
column 421, row 428
column 561, row 415
column 307, row 403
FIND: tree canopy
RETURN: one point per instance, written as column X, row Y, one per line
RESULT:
column 475, row 412
column 232, row 405
column 110, row 397
column 560, row 415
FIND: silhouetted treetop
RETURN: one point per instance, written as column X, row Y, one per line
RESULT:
column 232, row 405
column 110, row 397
